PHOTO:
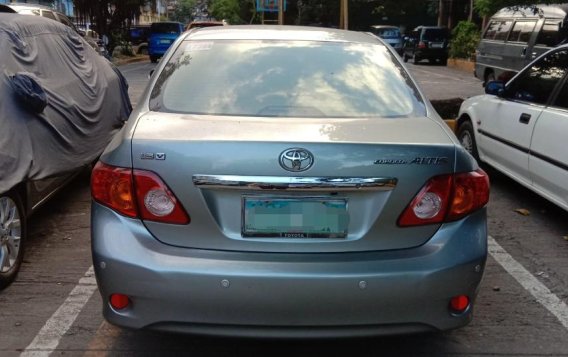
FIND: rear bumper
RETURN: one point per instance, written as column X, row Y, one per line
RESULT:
column 286, row 295
column 432, row 53
column 159, row 50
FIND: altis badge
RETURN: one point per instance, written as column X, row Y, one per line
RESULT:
column 436, row 160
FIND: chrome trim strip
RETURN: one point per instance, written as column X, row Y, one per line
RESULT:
column 230, row 182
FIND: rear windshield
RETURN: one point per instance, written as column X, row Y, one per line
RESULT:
column 285, row 79
column 164, row 27
column 435, row 35
column 386, row 32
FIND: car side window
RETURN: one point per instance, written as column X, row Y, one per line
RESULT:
column 503, row 30
column 550, row 34
column 48, row 14
column 536, row 83
column 562, row 99
column 65, row 21
column 491, row 30
column 522, row 31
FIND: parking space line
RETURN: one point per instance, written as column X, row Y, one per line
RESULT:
column 537, row 289
column 51, row 333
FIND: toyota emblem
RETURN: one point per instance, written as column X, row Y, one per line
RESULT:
column 296, row 159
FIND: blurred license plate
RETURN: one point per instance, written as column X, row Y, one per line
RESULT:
column 436, row 45
column 295, row 218
column 165, row 41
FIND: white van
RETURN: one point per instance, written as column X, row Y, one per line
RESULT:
column 516, row 36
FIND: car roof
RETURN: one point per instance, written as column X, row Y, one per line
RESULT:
column 30, row 25
column 20, row 6
column 384, row 27
column 275, row 32
column 431, row 27
column 553, row 10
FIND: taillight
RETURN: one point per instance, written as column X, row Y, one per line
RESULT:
column 422, row 44
column 471, row 192
column 112, row 186
column 156, row 201
column 136, row 193
column 447, row 198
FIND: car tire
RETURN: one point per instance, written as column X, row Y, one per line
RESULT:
column 466, row 137
column 415, row 59
column 444, row 61
column 489, row 76
column 153, row 59
column 12, row 236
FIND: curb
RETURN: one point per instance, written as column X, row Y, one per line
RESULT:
column 462, row 64
column 126, row 60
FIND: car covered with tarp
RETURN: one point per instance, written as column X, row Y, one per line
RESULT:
column 61, row 103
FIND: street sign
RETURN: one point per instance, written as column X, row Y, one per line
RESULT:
column 268, row 5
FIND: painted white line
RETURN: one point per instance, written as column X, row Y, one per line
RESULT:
column 537, row 289
column 51, row 333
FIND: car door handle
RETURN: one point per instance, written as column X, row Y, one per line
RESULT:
column 525, row 118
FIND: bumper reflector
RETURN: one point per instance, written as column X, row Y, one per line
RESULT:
column 459, row 304
column 119, row 301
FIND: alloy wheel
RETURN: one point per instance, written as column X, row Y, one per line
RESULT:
column 10, row 233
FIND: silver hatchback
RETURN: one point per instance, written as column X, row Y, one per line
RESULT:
column 287, row 182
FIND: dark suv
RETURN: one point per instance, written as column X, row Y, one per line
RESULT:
column 427, row 42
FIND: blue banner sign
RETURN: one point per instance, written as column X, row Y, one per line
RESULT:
column 268, row 5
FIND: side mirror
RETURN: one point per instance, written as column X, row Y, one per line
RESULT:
column 495, row 88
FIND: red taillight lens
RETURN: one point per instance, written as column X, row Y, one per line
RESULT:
column 447, row 198
column 112, row 187
column 471, row 192
column 137, row 194
column 156, row 201
column 421, row 45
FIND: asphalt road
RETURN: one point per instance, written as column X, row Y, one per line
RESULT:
column 54, row 307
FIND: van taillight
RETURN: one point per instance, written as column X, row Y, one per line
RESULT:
column 447, row 198
column 422, row 44
column 137, row 194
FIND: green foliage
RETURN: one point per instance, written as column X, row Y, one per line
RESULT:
column 123, row 46
column 184, row 10
column 228, row 10
column 465, row 37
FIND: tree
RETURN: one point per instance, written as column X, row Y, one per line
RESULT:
column 110, row 16
column 228, row 10
column 185, row 10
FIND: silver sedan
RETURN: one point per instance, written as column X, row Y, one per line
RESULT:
column 287, row 182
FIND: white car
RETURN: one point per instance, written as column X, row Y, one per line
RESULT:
column 520, row 127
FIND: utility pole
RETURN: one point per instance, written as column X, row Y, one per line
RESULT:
column 280, row 12
column 344, row 15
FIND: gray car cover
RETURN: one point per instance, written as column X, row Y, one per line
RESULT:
column 60, row 102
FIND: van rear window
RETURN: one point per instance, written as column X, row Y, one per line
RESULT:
column 164, row 27
column 435, row 35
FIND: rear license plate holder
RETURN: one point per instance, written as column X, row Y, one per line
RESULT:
column 294, row 217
